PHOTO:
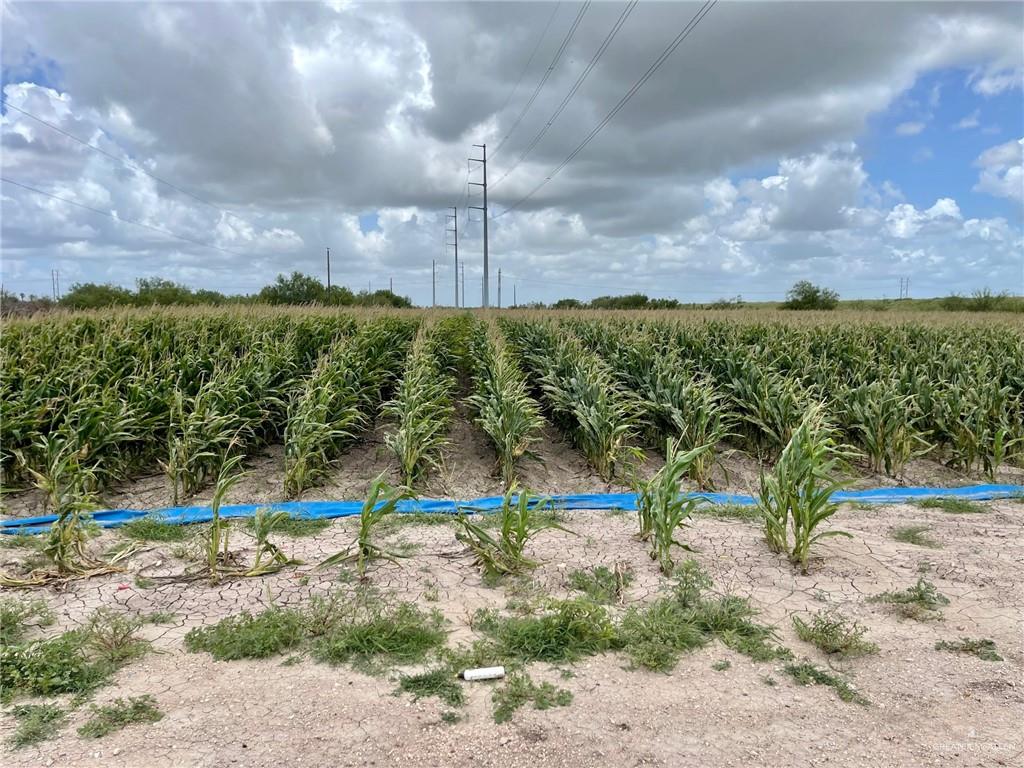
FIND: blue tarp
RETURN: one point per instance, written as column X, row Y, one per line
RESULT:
column 625, row 501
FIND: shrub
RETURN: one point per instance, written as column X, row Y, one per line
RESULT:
column 806, row 295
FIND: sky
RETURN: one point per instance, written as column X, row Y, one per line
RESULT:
column 850, row 144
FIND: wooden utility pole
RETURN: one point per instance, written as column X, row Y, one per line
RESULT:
column 433, row 283
column 499, row 287
column 328, row 270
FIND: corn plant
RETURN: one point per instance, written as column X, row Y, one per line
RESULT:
column 661, row 509
column 219, row 558
column 504, row 409
column 422, row 408
column 885, row 423
column 381, row 500
column 797, row 493
column 520, row 519
column 263, row 524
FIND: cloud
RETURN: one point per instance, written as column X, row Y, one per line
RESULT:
column 298, row 118
column 1002, row 170
column 967, row 122
column 909, row 129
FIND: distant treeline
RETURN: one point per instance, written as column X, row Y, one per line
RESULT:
column 298, row 289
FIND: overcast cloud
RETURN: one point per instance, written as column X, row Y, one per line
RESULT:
column 740, row 167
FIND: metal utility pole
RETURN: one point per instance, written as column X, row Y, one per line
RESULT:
column 515, row 302
column 433, row 283
column 483, row 208
column 463, row 284
column 454, row 216
column 328, row 270
column 391, row 285
column 499, row 287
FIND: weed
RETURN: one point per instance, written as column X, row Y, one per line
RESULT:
column 921, row 601
column 381, row 632
column 915, row 534
column 653, row 636
column 518, row 522
column 296, row 527
column 748, row 512
column 770, row 681
column 834, row 633
column 400, row 520
column 151, row 528
column 806, row 673
column 440, row 682
column 983, row 649
column 721, row 666
column 519, row 690
column 36, row 723
column 17, row 616
column 158, row 617
column 249, row 637
column 953, row 506
column 144, row 582
column 120, row 714
column 568, row 630
column 601, row 584
column 114, row 636
column 22, row 541
column 49, row 667
column 450, row 718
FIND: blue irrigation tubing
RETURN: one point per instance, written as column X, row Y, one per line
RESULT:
column 318, row 510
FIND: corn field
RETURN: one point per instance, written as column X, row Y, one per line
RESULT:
column 91, row 400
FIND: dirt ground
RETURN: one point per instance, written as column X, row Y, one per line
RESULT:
column 927, row 707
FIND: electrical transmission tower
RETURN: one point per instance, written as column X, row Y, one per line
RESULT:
column 483, row 160
column 454, row 230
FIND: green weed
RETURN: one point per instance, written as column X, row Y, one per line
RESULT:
column 983, row 649
column 120, row 714
column 249, row 637
column 920, row 602
column 721, row 666
column 601, row 584
column 36, row 723
column 915, row 534
column 18, row 616
column 520, row 690
column 440, row 682
column 834, row 633
column 296, row 527
column 568, row 630
column 953, row 506
column 806, row 673
column 151, row 528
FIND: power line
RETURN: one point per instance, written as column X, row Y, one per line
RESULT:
column 109, row 215
column 655, row 65
column 126, row 163
column 575, row 87
column 547, row 73
column 529, row 61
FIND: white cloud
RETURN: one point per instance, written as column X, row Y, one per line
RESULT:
column 1002, row 170
column 909, row 129
column 967, row 122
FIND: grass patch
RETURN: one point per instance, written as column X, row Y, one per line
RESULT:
column 59, row 665
column 983, row 649
column 915, row 534
column 721, row 666
column 834, row 633
column 749, row 512
column 18, row 616
column 120, row 714
column 36, row 723
column 22, row 541
column 380, row 632
column 403, row 519
column 953, row 506
column 296, row 527
column 450, row 718
column 158, row 617
column 246, row 636
column 921, row 602
column 568, row 630
column 151, row 528
column 806, row 673
column 601, row 584
column 520, row 690
column 440, row 682
column 654, row 636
